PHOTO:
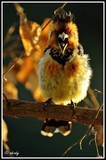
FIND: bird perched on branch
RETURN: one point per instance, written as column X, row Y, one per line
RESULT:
column 64, row 70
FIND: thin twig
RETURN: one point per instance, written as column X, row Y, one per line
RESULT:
column 7, row 100
column 93, row 98
column 86, row 134
column 12, row 65
column 9, row 32
column 21, row 10
column 55, row 14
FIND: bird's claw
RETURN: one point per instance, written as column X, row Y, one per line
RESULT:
column 49, row 101
column 72, row 107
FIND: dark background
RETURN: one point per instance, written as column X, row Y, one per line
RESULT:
column 24, row 133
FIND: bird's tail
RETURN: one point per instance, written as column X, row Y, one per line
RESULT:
column 50, row 126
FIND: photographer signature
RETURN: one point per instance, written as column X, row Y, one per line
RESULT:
column 11, row 153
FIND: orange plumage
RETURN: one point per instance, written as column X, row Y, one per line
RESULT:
column 64, row 70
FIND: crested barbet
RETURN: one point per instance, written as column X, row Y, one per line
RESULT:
column 64, row 70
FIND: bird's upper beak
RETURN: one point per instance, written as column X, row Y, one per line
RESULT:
column 63, row 41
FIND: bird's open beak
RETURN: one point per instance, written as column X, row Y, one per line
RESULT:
column 63, row 37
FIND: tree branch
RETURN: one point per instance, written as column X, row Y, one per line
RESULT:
column 17, row 108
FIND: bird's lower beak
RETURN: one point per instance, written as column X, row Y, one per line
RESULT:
column 62, row 47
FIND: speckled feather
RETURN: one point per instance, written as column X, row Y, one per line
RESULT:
column 65, row 83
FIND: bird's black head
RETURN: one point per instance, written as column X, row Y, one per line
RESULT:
column 64, row 17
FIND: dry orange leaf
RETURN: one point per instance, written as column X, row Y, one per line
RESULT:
column 10, row 90
column 38, row 95
column 99, row 129
column 26, row 69
column 4, row 131
column 34, row 41
column 32, row 84
column 29, row 32
column 43, row 39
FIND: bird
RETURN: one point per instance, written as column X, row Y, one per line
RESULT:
column 64, row 70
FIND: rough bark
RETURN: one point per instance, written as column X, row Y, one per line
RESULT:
column 17, row 108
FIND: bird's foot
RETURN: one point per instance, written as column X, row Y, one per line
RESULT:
column 49, row 101
column 72, row 107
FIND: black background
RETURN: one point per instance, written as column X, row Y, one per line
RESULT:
column 24, row 133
